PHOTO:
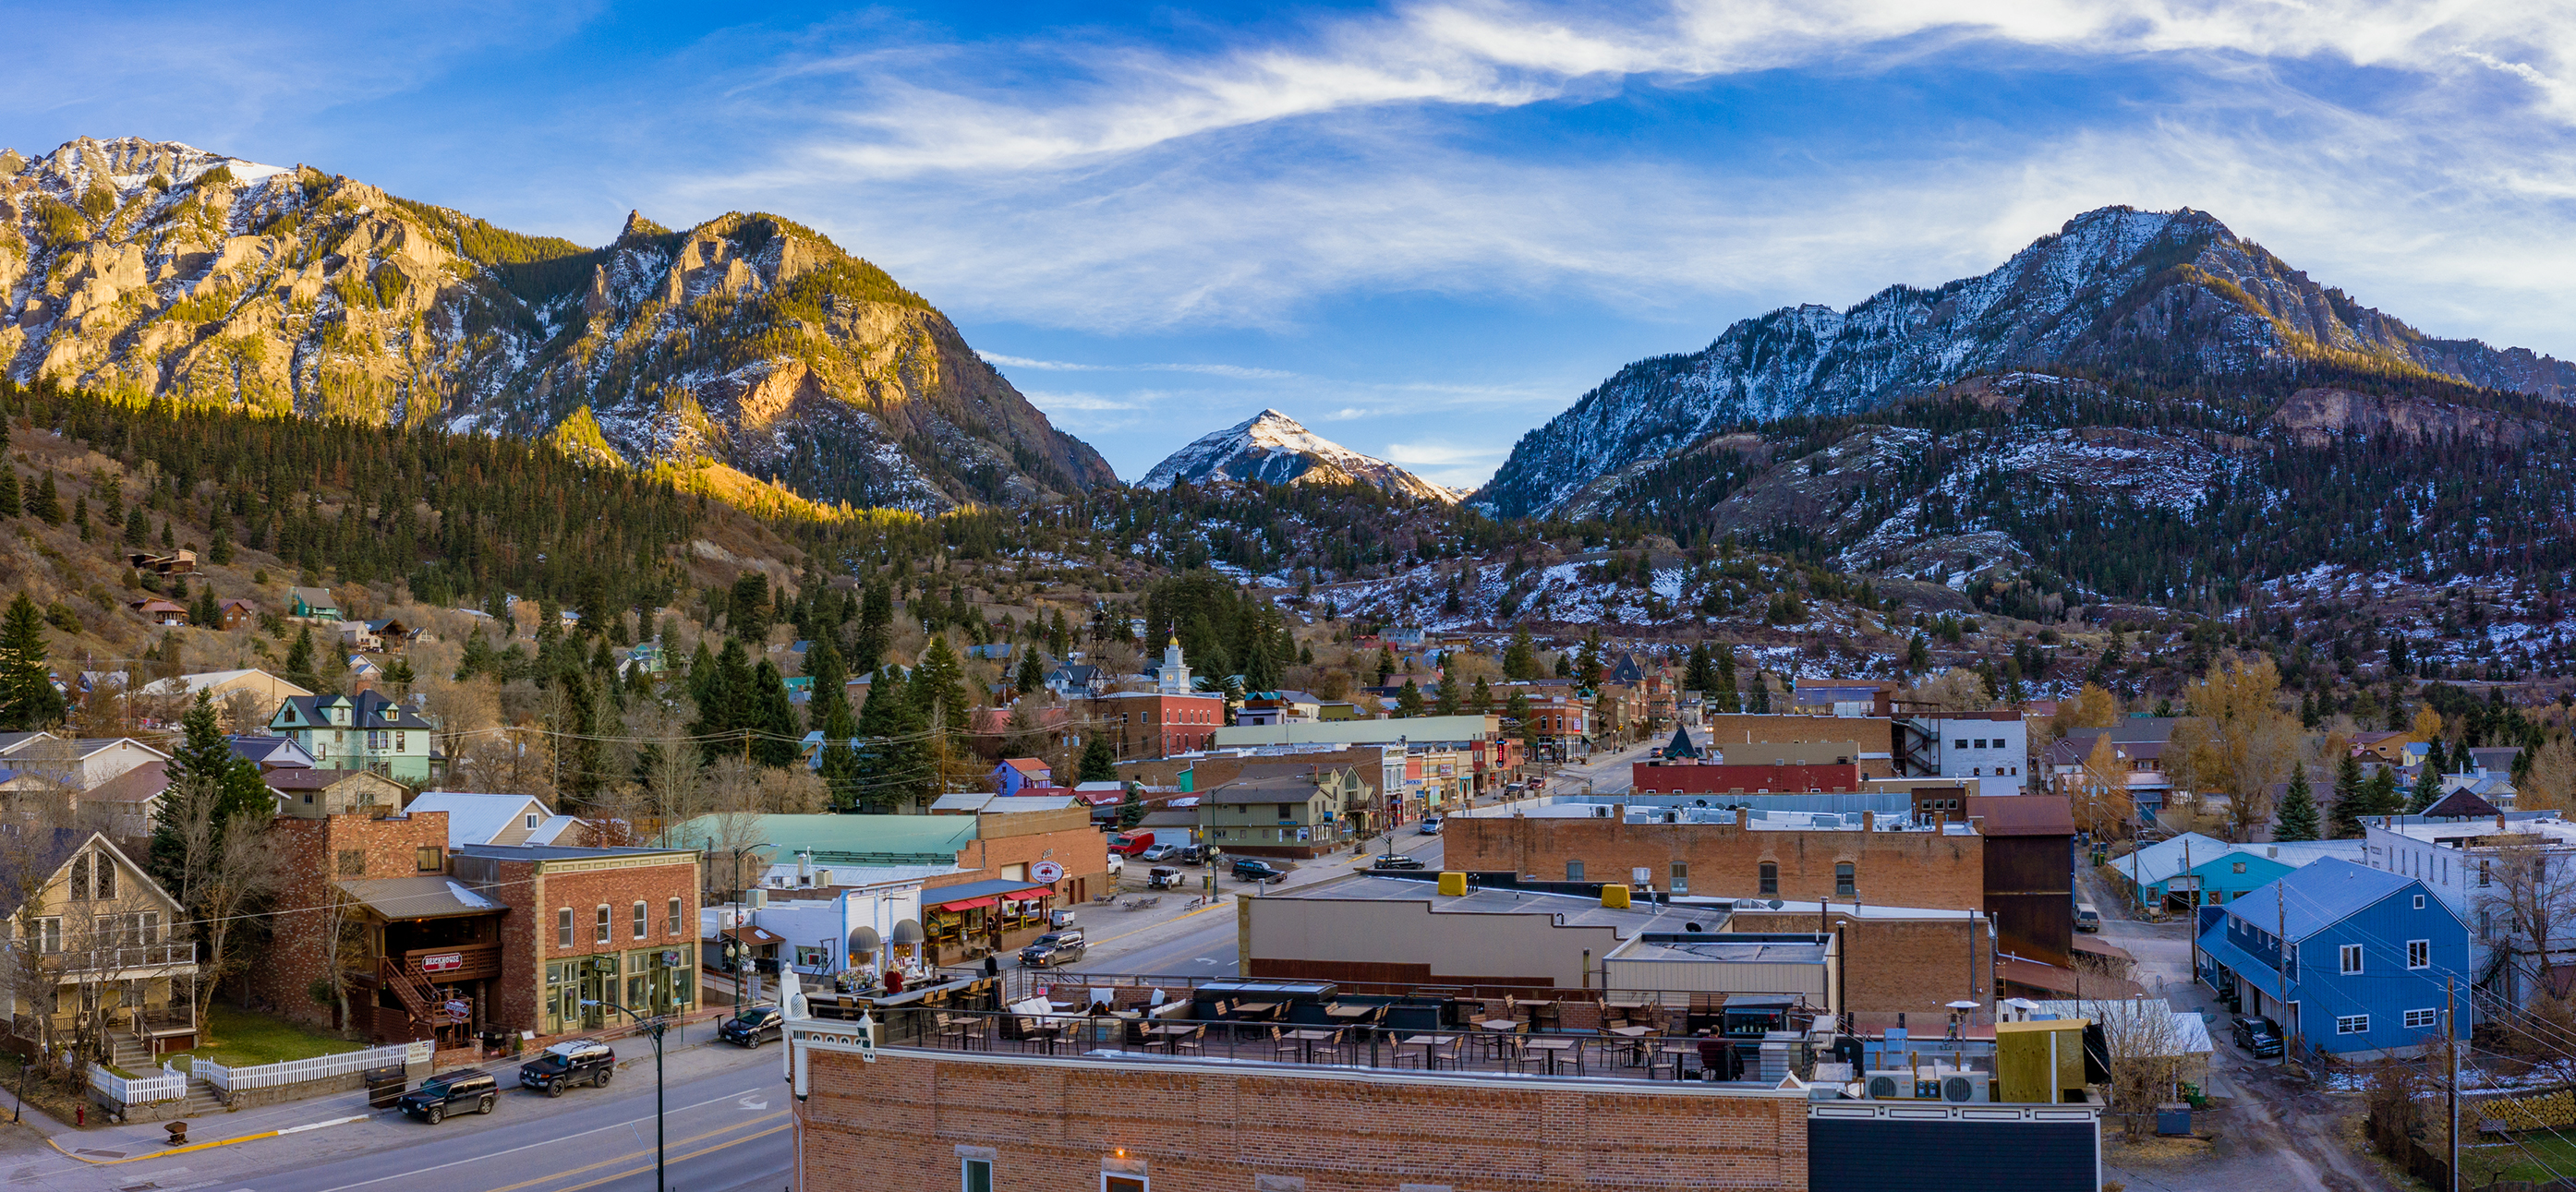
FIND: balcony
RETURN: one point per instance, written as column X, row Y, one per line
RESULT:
column 128, row 956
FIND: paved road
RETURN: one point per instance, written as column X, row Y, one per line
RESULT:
column 727, row 1126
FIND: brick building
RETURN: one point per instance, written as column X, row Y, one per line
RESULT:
column 1050, row 1124
column 1750, row 854
column 597, row 925
column 1875, row 735
column 2030, row 873
column 1896, row 960
column 1755, row 769
column 1157, row 723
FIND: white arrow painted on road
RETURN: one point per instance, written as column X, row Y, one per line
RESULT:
column 748, row 1103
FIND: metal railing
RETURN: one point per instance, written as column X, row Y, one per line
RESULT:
column 106, row 959
column 1581, row 1054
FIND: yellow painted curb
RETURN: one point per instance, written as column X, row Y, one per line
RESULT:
column 201, row 1146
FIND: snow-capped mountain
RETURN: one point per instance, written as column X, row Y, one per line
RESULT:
column 1273, row 448
column 2170, row 295
column 746, row 348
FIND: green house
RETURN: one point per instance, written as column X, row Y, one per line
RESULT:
column 367, row 731
column 315, row 604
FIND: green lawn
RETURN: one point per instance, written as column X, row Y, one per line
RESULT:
column 2541, row 1157
column 239, row 1038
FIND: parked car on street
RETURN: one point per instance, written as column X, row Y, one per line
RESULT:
column 461, row 1091
column 1191, row 854
column 1254, row 869
column 581, row 1061
column 2259, row 1036
column 1053, row 948
column 1158, row 852
column 2087, row 917
column 1430, row 826
column 1163, row 877
column 1396, row 861
column 751, row 1026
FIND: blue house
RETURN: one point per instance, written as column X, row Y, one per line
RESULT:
column 2363, row 972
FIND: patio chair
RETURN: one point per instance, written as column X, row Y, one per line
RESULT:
column 1193, row 1043
column 1283, row 1047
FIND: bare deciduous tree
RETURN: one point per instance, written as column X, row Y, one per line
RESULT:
column 2527, row 900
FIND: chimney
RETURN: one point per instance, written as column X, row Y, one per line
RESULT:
column 1868, row 821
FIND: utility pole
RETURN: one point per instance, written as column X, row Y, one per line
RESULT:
column 2451, row 1043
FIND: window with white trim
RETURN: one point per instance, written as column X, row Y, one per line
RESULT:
column 1115, row 1181
column 563, row 927
column 639, row 917
column 2419, row 902
column 2419, row 954
column 603, row 922
column 674, row 918
column 975, row 1175
column 2350, row 956
column 2422, row 1020
column 2352, row 1024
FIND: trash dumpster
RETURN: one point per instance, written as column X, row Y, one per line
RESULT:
column 384, row 1086
column 2174, row 1120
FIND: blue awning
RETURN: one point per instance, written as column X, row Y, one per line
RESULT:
column 2249, row 970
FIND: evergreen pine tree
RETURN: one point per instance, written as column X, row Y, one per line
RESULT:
column 1408, row 702
column 1761, row 695
column 2298, row 811
column 1520, row 659
column 830, row 702
column 1447, row 702
column 1701, row 672
column 1480, row 699
column 2344, row 818
column 2379, row 793
column 203, row 766
column 1131, row 806
column 10, row 503
column 28, row 701
column 1564, row 664
column 299, row 661
column 1385, row 664
column 48, row 505
column 1032, row 675
column 2428, row 789
column 893, row 764
column 1099, row 760
column 939, row 687
column 775, row 743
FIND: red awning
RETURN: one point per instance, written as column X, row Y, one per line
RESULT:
column 968, row 905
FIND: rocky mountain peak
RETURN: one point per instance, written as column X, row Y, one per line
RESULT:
column 1274, row 448
column 2171, row 294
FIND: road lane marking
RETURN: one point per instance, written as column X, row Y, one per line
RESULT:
column 557, row 1140
column 198, row 1146
column 630, row 1155
column 607, row 1179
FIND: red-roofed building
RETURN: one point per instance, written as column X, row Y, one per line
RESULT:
column 1017, row 773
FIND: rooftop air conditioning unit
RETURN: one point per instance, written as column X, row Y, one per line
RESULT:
column 756, row 897
column 1896, row 1084
column 822, row 877
column 1963, row 1088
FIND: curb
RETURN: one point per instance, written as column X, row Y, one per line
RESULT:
column 203, row 1146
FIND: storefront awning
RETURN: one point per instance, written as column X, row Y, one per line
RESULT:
column 968, row 904
column 1002, row 887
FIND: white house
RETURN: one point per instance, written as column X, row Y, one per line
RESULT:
column 2464, row 863
column 1991, row 749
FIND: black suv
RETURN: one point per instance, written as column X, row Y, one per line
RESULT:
column 1254, row 869
column 581, row 1061
column 2259, row 1036
column 460, row 1090
column 1396, row 861
column 1053, row 948
column 748, row 1027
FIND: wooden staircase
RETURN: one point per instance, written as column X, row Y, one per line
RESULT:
column 419, row 997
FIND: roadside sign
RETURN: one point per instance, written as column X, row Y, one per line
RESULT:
column 1046, row 871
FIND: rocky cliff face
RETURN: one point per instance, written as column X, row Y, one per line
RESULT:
column 2167, row 293
column 1274, row 448
column 746, row 343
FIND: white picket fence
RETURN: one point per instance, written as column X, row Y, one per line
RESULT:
column 170, row 1085
column 320, row 1067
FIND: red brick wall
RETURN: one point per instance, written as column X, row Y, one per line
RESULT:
column 1748, row 779
column 1050, row 1124
column 1918, row 869
column 307, row 858
column 535, row 891
column 1082, row 849
column 1910, row 966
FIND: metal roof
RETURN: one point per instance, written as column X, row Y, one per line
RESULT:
column 892, row 838
column 2317, row 897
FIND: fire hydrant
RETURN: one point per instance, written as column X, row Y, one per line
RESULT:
column 80, row 1115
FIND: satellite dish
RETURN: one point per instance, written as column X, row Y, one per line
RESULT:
column 1691, row 927
column 1777, row 904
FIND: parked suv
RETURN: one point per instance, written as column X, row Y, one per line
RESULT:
column 452, row 1092
column 748, row 1027
column 581, row 1061
column 2259, row 1036
column 1053, row 948
column 1396, row 861
column 1254, row 869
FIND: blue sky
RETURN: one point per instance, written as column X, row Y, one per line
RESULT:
column 1420, row 228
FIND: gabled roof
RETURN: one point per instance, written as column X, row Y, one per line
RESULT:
column 315, row 597
column 2165, row 858
column 1027, row 765
column 366, row 710
column 270, row 751
column 476, row 818
column 1288, row 788
column 300, row 778
column 419, row 897
column 139, row 785
column 2308, row 900
column 2461, row 804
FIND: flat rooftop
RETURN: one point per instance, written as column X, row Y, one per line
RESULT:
column 1732, row 950
column 2483, row 833
column 1571, row 910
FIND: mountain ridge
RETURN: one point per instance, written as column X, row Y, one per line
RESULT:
column 1274, row 448
column 2116, row 289
column 747, row 343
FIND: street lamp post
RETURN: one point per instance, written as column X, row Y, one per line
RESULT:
column 1216, row 859
column 653, row 1029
